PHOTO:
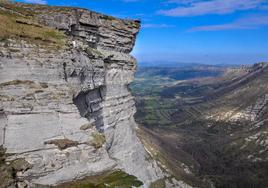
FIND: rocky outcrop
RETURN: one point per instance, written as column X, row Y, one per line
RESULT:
column 251, row 112
column 246, row 98
column 56, row 104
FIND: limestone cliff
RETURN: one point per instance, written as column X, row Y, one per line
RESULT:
column 66, row 107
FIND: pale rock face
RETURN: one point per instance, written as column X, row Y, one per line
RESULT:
column 250, row 113
column 66, row 95
column 173, row 183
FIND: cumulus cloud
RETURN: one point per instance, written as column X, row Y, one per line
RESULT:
column 252, row 22
column 196, row 7
column 36, row 1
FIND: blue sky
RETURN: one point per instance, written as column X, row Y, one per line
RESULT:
column 199, row 31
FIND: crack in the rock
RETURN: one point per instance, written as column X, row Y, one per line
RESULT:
column 64, row 71
column 5, row 126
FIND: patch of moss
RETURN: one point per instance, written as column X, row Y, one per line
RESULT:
column 39, row 91
column 38, row 87
column 158, row 184
column 16, row 82
column 113, row 179
column 86, row 126
column 98, row 140
column 106, row 17
column 20, row 165
column 62, row 143
column 121, row 179
column 43, row 85
column 8, row 171
column 136, row 23
column 6, row 177
column 14, row 50
column 94, row 53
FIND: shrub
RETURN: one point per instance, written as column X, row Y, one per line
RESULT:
column 98, row 140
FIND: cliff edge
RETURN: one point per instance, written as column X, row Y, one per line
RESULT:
column 65, row 106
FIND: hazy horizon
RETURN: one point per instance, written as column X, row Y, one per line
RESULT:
column 200, row 31
column 228, row 59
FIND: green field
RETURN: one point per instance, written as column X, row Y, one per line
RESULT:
column 172, row 109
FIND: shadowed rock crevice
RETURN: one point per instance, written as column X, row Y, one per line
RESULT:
column 89, row 105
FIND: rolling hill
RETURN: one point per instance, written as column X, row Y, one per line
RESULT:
column 211, row 130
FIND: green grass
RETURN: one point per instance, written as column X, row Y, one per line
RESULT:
column 21, row 26
column 158, row 184
column 106, row 17
column 209, row 150
column 98, row 140
column 115, row 179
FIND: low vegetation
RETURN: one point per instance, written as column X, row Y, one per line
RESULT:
column 17, row 82
column 98, row 140
column 63, row 143
column 114, row 179
column 8, row 172
column 34, row 86
column 6, row 177
column 158, row 184
column 86, row 126
column 174, row 114
column 106, row 17
column 93, row 53
column 15, row 23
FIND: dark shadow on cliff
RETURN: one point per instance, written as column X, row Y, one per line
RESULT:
column 89, row 106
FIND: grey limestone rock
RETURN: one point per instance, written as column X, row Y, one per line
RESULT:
column 49, row 96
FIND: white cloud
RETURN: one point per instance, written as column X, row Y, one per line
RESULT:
column 219, row 27
column 196, row 8
column 156, row 26
column 183, row 1
column 252, row 22
column 36, row 1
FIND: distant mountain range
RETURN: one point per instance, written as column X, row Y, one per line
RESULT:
column 183, row 64
column 210, row 131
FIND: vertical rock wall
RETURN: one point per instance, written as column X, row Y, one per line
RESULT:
column 57, row 104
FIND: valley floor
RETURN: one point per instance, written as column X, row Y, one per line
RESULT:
column 208, row 127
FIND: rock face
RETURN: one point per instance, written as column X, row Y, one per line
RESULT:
column 254, row 100
column 56, row 103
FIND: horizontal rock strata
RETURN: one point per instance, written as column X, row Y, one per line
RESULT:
column 53, row 101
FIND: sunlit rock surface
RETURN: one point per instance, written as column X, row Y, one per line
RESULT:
column 53, row 100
